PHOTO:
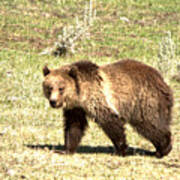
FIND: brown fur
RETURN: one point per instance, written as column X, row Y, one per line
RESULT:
column 113, row 94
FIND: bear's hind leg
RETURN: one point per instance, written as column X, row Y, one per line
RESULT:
column 165, row 146
column 75, row 124
column 159, row 136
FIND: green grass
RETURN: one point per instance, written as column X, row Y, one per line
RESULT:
column 30, row 129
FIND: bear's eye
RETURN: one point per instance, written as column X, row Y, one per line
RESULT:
column 61, row 89
column 50, row 89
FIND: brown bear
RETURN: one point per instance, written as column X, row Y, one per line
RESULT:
column 112, row 94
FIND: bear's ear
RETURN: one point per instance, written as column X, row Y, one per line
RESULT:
column 73, row 72
column 46, row 70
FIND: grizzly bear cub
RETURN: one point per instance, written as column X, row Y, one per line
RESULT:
column 112, row 94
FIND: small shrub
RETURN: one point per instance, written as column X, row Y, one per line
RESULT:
column 167, row 62
column 72, row 34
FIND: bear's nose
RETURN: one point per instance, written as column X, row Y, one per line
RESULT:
column 53, row 103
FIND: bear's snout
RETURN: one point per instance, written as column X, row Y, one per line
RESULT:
column 53, row 103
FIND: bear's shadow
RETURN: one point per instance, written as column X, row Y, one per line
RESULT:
column 132, row 151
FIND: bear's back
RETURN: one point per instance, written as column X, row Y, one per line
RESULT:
column 136, row 74
column 134, row 69
column 134, row 81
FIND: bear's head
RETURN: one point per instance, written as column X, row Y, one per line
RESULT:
column 60, row 86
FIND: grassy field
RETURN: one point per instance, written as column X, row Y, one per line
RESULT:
column 30, row 129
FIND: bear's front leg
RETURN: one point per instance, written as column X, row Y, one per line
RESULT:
column 75, row 123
